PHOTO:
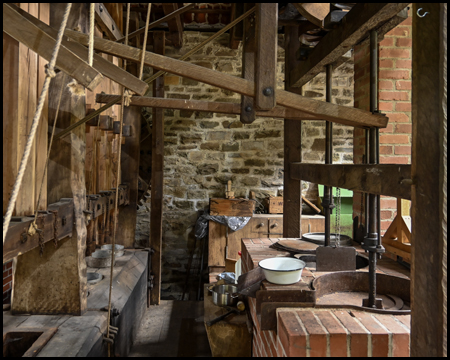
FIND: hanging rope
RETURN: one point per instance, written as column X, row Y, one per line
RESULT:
column 50, row 73
column 91, row 33
column 128, row 93
column 116, row 201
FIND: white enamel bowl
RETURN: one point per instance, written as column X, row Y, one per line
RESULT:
column 282, row 270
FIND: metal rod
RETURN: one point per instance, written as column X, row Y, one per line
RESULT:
column 328, row 190
column 372, row 238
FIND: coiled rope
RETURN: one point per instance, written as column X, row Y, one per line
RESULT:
column 50, row 73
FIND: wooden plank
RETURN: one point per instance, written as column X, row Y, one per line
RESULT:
column 429, row 171
column 231, row 207
column 237, row 31
column 105, row 21
column 41, row 135
column 216, row 244
column 276, row 205
column 327, row 111
column 356, row 26
column 314, row 12
column 248, row 111
column 208, row 106
column 102, row 65
column 30, row 35
column 157, row 190
column 266, row 55
column 292, row 207
column 66, row 292
column 380, row 179
column 175, row 25
column 17, row 242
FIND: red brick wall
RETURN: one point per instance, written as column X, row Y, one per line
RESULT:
column 394, row 95
column 7, row 282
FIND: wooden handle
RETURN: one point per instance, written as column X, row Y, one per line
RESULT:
column 311, row 205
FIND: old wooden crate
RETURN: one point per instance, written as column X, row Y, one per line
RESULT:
column 275, row 205
column 231, row 207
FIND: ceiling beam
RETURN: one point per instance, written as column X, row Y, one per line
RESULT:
column 355, row 27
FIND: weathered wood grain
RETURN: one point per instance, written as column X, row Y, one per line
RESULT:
column 231, row 207
column 327, row 111
column 428, row 270
column 157, row 182
column 380, row 179
column 105, row 21
column 248, row 113
column 356, row 25
column 266, row 55
column 314, row 12
column 34, row 38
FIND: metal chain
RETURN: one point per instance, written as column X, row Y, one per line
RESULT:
column 361, row 209
column 41, row 237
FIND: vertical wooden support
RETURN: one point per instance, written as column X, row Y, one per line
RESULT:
column 266, row 55
column 292, row 193
column 157, row 177
column 429, row 236
column 56, row 282
column 130, row 159
column 248, row 68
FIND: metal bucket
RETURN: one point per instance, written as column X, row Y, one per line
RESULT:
column 223, row 295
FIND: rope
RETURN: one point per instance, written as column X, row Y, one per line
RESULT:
column 116, row 201
column 126, row 97
column 91, row 33
column 50, row 73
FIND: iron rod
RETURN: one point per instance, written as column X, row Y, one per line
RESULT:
column 372, row 237
column 328, row 190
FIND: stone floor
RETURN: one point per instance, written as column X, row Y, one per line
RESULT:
column 174, row 328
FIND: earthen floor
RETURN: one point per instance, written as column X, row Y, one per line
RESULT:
column 173, row 328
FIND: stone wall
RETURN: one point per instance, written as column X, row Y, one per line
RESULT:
column 205, row 150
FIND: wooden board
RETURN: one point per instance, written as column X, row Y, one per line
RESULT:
column 380, row 179
column 216, row 244
column 331, row 112
column 104, row 66
column 157, row 182
column 37, row 40
column 208, row 106
column 231, row 207
column 314, row 12
column 429, row 171
column 105, row 21
column 266, row 55
column 275, row 205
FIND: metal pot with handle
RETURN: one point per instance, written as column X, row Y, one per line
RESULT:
column 224, row 295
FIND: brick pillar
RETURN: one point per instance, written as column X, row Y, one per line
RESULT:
column 394, row 95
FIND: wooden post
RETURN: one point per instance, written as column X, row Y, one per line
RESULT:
column 130, row 160
column 266, row 55
column 292, row 193
column 157, row 177
column 429, row 168
column 56, row 282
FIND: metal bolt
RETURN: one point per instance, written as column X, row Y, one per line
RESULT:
column 101, row 8
column 267, row 91
column 248, row 108
column 113, row 27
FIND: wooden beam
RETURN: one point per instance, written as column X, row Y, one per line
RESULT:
column 356, row 26
column 326, row 111
column 429, row 171
column 18, row 241
column 175, row 24
column 159, row 21
column 208, row 106
column 157, row 184
column 292, row 188
column 236, row 32
column 248, row 113
column 102, row 65
column 385, row 179
column 266, row 55
column 314, row 12
column 34, row 38
column 106, row 23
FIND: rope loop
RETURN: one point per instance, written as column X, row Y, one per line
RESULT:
column 50, row 71
column 127, row 97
